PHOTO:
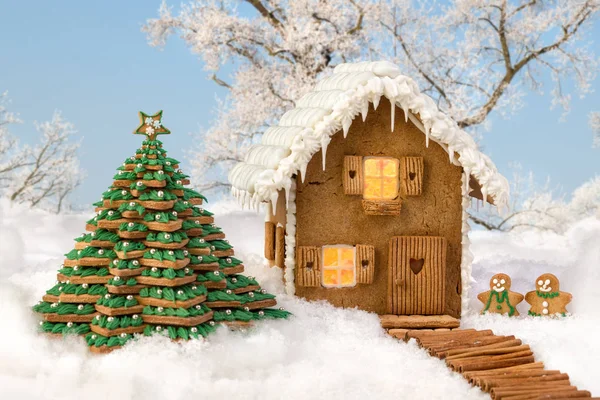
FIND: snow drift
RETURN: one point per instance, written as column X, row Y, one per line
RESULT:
column 322, row 352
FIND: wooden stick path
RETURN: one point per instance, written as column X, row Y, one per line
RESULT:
column 502, row 366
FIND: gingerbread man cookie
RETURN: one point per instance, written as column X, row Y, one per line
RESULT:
column 547, row 299
column 499, row 299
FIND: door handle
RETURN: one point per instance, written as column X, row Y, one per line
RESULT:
column 400, row 282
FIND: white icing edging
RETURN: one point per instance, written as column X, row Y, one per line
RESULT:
column 290, row 242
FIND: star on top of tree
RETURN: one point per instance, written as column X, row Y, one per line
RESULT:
column 151, row 125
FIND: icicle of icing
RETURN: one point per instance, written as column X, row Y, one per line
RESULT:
column 303, row 167
column 274, row 197
column 393, row 104
column 346, row 122
column 324, row 144
column 405, row 109
column 426, row 135
column 364, row 110
column 376, row 99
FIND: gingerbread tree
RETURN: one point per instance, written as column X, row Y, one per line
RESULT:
column 153, row 261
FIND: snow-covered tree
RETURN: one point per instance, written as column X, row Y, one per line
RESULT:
column 540, row 207
column 585, row 201
column 595, row 124
column 43, row 175
column 472, row 56
column 531, row 207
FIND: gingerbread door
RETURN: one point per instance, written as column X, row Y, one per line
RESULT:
column 417, row 275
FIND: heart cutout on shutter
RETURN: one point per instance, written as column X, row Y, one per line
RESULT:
column 416, row 265
column 412, row 176
column 351, row 174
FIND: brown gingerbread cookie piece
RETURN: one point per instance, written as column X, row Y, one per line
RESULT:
column 547, row 299
column 499, row 299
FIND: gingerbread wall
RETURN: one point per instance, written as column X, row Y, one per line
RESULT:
column 325, row 215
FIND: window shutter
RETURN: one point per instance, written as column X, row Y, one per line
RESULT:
column 365, row 263
column 270, row 241
column 412, row 175
column 308, row 266
column 353, row 175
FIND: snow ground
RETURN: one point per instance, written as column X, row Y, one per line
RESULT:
column 320, row 353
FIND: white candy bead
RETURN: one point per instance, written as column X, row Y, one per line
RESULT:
column 261, row 313
column 167, row 236
column 135, row 316
column 69, row 324
column 124, row 192
column 101, row 251
column 180, row 292
column 123, row 335
column 228, row 312
column 129, row 297
column 157, row 217
column 117, row 278
column 159, row 291
column 545, row 304
column 246, row 308
column 194, row 329
column 160, row 193
column 154, row 269
column 160, row 309
column 132, row 204
column 80, row 307
column 110, row 319
column 85, row 286
column 174, row 213
column 171, row 252
column 152, row 251
column 135, row 262
column 194, row 287
column 139, row 183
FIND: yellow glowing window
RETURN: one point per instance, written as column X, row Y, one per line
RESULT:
column 381, row 178
column 339, row 266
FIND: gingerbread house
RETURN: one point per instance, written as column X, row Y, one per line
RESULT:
column 367, row 185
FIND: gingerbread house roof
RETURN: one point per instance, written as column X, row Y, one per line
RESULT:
column 331, row 106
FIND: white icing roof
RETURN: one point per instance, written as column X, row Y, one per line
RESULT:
column 331, row 106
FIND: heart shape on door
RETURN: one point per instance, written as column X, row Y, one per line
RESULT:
column 412, row 176
column 416, row 265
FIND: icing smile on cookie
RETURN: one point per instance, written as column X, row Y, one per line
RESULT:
column 544, row 286
column 498, row 285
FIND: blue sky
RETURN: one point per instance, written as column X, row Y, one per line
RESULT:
column 91, row 61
